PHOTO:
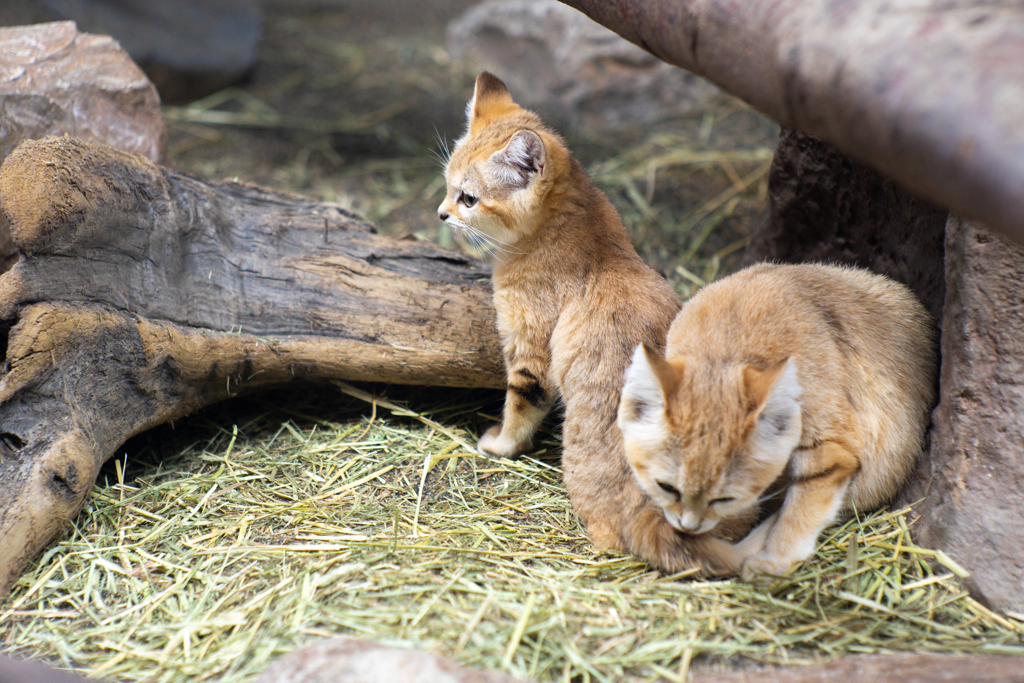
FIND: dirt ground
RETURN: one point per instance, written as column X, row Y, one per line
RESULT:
column 351, row 100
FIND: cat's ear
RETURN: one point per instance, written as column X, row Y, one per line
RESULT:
column 522, row 158
column 773, row 396
column 649, row 379
column 491, row 100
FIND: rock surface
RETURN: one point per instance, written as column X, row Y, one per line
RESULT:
column 189, row 48
column 55, row 80
column 823, row 206
column 973, row 479
column 571, row 70
column 897, row 668
column 18, row 671
column 361, row 661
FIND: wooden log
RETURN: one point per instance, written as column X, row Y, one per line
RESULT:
column 930, row 95
column 143, row 294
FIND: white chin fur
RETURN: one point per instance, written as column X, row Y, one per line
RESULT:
column 706, row 526
column 673, row 520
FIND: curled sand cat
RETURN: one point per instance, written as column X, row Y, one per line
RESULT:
column 573, row 300
column 816, row 381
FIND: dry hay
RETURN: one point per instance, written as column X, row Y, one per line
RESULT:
column 374, row 520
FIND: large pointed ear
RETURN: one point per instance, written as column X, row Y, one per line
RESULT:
column 649, row 379
column 522, row 158
column 773, row 398
column 491, row 100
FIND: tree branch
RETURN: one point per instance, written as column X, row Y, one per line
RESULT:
column 929, row 93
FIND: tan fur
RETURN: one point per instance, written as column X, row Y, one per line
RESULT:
column 818, row 379
column 573, row 299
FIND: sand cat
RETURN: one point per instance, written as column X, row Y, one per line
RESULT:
column 573, row 300
column 815, row 379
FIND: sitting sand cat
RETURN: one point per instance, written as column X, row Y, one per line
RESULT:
column 817, row 379
column 573, row 300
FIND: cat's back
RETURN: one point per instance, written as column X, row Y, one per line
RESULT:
column 862, row 344
column 772, row 311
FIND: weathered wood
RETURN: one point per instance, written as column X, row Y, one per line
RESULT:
column 929, row 93
column 143, row 294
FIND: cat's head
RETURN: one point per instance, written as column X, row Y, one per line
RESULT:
column 500, row 172
column 706, row 440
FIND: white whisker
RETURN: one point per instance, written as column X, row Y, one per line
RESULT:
column 482, row 241
column 765, row 499
column 443, row 154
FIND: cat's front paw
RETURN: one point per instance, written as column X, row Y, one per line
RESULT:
column 493, row 444
column 762, row 566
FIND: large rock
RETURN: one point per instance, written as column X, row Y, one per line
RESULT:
column 189, row 48
column 825, row 207
column 363, row 661
column 360, row 661
column 572, row 71
column 55, row 80
column 894, row 668
column 18, row 671
column 972, row 482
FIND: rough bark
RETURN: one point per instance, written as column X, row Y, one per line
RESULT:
column 927, row 93
column 825, row 207
column 972, row 481
column 143, row 294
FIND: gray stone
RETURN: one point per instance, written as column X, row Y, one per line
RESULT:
column 55, row 80
column 18, row 671
column 189, row 48
column 889, row 668
column 363, row 661
column 972, row 481
column 571, row 70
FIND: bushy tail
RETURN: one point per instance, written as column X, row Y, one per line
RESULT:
column 649, row 536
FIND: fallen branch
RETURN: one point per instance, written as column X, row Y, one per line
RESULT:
column 142, row 295
column 928, row 94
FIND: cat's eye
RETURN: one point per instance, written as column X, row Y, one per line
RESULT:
column 720, row 501
column 669, row 488
column 467, row 200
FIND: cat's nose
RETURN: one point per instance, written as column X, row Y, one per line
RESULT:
column 688, row 521
column 443, row 215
